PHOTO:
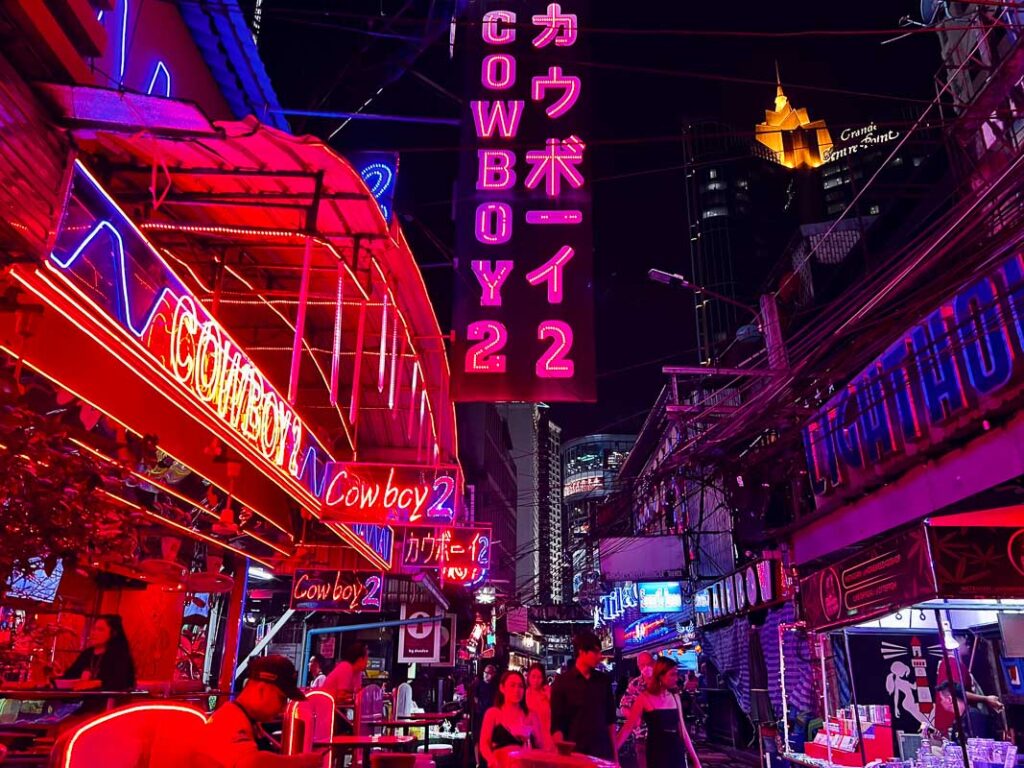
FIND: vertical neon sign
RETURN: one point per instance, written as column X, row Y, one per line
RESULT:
column 523, row 306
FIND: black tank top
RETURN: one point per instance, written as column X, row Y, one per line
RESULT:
column 502, row 737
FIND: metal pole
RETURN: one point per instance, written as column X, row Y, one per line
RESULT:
column 824, row 697
column 300, row 322
column 782, row 681
column 336, row 347
column 233, row 628
column 853, row 697
column 952, row 681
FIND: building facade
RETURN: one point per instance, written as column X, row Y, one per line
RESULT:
column 590, row 467
column 535, row 443
column 486, row 453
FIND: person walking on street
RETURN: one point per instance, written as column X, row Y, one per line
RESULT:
column 508, row 725
column 317, row 678
column 346, row 679
column 538, row 696
column 479, row 699
column 668, row 742
column 582, row 703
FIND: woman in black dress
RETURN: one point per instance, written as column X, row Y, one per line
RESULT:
column 106, row 664
column 668, row 742
column 508, row 725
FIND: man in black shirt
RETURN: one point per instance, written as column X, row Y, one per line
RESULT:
column 582, row 704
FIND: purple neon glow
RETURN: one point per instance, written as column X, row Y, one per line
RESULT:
column 552, row 272
column 492, row 276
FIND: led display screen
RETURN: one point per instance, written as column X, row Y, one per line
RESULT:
column 660, row 596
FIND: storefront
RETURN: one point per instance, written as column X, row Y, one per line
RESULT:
column 221, row 370
column 889, row 624
column 737, row 618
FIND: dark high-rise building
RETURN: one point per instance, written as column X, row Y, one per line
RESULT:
column 536, row 442
column 485, row 450
column 590, row 466
column 739, row 215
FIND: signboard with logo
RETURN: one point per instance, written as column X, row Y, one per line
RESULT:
column 648, row 631
column 936, row 383
column 463, row 555
column 854, row 140
column 114, row 269
column 978, row 562
column 660, row 596
column 337, row 591
column 391, row 494
column 523, row 308
column 420, row 643
column 614, row 604
column 876, row 581
column 757, row 585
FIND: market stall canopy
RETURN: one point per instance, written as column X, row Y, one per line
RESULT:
column 972, row 556
column 231, row 204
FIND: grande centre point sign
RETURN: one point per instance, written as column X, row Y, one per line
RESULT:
column 854, row 140
column 939, row 381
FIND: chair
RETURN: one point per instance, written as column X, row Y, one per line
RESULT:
column 392, row 760
column 369, row 710
column 147, row 735
column 307, row 722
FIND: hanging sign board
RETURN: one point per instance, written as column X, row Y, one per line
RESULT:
column 391, row 494
column 523, row 304
column 337, row 591
column 936, row 384
column 757, row 585
column 463, row 555
column 420, row 643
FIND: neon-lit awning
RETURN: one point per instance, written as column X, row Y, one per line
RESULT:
column 232, row 208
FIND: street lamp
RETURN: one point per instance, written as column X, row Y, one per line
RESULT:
column 671, row 278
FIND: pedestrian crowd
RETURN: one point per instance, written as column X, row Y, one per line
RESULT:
column 577, row 712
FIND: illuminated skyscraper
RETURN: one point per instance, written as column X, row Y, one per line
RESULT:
column 794, row 140
column 590, row 466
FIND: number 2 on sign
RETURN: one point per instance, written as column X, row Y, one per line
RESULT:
column 491, row 337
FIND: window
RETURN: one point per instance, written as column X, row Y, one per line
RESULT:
column 713, row 173
column 714, row 185
column 873, row 210
column 711, row 213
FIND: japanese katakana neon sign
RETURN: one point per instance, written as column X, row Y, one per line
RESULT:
column 391, row 494
column 523, row 309
column 462, row 555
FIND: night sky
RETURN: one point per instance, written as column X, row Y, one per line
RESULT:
column 645, row 86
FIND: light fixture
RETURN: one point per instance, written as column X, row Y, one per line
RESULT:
column 260, row 574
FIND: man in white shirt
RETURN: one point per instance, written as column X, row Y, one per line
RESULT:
column 317, row 678
column 233, row 735
column 404, row 705
column 346, row 679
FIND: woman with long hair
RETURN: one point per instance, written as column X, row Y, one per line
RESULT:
column 668, row 742
column 508, row 725
column 106, row 664
column 538, row 696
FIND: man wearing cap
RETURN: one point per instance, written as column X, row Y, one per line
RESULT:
column 582, row 704
column 234, row 735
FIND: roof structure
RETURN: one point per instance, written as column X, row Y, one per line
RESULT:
column 233, row 208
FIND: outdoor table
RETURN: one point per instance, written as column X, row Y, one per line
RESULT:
column 412, row 721
column 48, row 694
column 535, row 758
column 339, row 745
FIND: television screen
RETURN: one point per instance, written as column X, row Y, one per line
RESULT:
column 35, row 585
column 660, row 596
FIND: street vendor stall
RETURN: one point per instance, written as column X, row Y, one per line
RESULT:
column 901, row 634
